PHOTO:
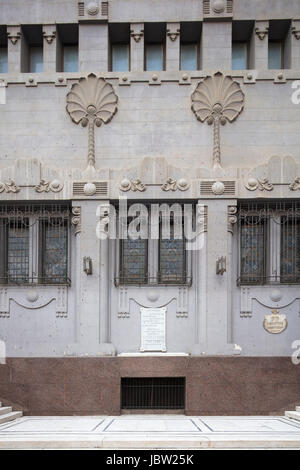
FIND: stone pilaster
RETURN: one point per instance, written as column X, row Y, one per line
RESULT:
column 49, row 47
column 173, row 46
column 137, row 47
column 295, row 44
column 14, row 48
column 261, row 44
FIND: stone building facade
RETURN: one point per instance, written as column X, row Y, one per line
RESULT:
column 192, row 104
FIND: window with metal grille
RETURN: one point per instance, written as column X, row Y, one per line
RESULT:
column 34, row 243
column 269, row 242
column 166, row 393
column 146, row 261
column 172, row 258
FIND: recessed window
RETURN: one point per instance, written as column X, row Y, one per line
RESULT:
column 242, row 51
column 155, row 40
column 188, row 57
column 190, row 36
column 154, row 57
column 239, row 55
column 120, row 57
column 119, row 38
column 279, row 50
column 35, row 59
column 275, row 55
column 3, row 59
column 34, row 244
column 269, row 243
column 70, row 58
column 32, row 50
column 3, row 50
column 67, row 48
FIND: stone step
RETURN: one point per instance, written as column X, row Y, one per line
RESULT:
column 293, row 415
column 5, row 409
column 10, row 416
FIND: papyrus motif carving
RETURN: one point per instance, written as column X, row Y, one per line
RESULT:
column 216, row 100
column 92, row 101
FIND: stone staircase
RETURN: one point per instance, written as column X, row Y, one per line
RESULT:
column 6, row 414
column 294, row 414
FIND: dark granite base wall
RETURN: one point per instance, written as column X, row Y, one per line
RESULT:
column 89, row 386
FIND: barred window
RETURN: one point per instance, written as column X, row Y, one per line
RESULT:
column 269, row 242
column 172, row 259
column 34, row 244
column 134, row 261
column 146, row 261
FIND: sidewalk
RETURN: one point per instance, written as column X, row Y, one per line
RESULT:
column 150, row 432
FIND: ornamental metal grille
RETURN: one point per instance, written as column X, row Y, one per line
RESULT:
column 34, row 243
column 144, row 261
column 166, row 393
column 269, row 242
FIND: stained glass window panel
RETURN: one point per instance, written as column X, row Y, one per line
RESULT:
column 252, row 251
column 18, row 251
column 134, row 261
column 172, row 259
column 55, row 251
column 290, row 251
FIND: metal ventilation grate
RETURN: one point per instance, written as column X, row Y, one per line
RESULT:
column 206, row 7
column 229, row 6
column 206, row 188
column 104, row 8
column 80, row 8
column 165, row 393
column 101, row 188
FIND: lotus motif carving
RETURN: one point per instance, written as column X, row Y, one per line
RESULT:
column 217, row 100
column 92, row 101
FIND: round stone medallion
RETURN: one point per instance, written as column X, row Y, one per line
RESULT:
column 218, row 188
column 218, row 6
column 89, row 189
column 275, row 295
column 32, row 295
column 93, row 8
column 152, row 295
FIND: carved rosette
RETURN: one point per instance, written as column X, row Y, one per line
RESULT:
column 172, row 185
column 92, row 101
column 9, row 187
column 76, row 219
column 46, row 186
column 231, row 217
column 135, row 185
column 217, row 99
column 295, row 186
column 262, row 185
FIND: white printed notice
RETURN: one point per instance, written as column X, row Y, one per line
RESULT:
column 153, row 329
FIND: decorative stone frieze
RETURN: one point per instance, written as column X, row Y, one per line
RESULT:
column 216, row 100
column 172, row 185
column 92, row 101
column 134, row 185
column 231, row 218
column 14, row 34
column 296, row 32
column 262, row 185
column 295, row 186
column 76, row 219
column 46, row 186
column 9, row 187
column 261, row 32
